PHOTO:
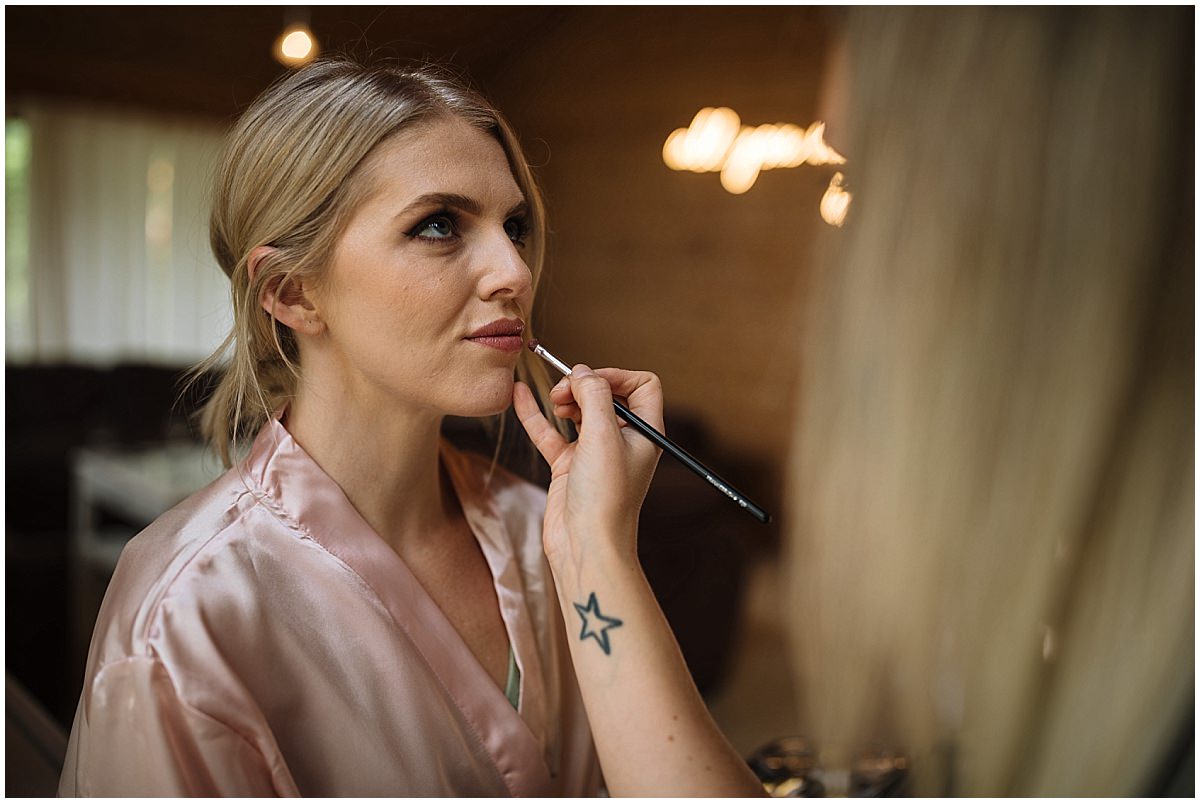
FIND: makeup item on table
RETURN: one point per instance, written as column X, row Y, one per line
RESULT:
column 665, row 443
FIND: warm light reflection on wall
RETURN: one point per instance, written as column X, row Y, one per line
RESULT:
column 160, row 215
column 835, row 202
column 716, row 140
column 160, row 183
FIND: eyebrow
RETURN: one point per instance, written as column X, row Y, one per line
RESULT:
column 457, row 201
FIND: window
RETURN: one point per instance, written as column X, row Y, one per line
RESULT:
column 107, row 249
column 17, row 323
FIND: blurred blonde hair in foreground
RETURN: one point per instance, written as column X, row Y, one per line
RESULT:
column 991, row 561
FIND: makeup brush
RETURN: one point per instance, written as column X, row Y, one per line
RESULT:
column 665, row 443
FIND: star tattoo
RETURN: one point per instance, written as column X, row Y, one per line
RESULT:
column 592, row 617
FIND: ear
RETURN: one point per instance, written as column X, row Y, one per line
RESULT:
column 290, row 304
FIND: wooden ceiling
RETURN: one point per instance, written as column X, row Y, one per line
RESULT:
column 213, row 60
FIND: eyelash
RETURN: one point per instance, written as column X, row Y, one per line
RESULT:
column 447, row 215
column 524, row 228
column 523, row 225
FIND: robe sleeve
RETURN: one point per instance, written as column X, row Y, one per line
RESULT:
column 135, row 737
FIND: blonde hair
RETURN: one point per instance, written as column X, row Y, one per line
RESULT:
column 290, row 178
column 991, row 556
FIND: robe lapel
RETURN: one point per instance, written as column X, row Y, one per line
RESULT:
column 497, row 545
column 316, row 505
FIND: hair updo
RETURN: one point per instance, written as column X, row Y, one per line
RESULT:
column 289, row 178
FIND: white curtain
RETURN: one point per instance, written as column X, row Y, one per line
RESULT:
column 117, row 266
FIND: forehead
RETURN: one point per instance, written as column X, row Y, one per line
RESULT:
column 446, row 155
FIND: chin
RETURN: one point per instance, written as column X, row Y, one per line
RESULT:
column 488, row 398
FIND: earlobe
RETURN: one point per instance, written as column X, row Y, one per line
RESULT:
column 291, row 309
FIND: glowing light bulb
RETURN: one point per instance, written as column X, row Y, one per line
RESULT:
column 819, row 152
column 674, row 152
column 835, row 202
column 744, row 162
column 737, row 178
column 716, row 141
column 709, row 136
column 296, row 46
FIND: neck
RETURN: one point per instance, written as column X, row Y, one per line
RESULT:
column 386, row 461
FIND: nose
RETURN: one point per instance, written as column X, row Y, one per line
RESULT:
column 504, row 273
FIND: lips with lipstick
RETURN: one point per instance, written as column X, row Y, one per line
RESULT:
column 503, row 335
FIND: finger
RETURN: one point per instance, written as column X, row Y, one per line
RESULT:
column 574, row 414
column 594, row 397
column 561, row 393
column 569, row 411
column 544, row 436
column 642, row 391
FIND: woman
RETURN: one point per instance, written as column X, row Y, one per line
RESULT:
column 356, row 608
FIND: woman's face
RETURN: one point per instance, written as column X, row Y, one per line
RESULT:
column 432, row 256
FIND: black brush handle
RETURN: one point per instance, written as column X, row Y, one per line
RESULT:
column 669, row 446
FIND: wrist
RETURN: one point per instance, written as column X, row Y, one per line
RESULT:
column 600, row 556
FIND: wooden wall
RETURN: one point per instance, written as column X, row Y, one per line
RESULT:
column 663, row 270
column 649, row 268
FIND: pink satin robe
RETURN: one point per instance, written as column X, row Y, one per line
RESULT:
column 260, row 639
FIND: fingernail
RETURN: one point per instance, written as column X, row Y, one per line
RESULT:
column 581, row 370
column 562, row 383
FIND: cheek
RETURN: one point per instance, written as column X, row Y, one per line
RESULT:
column 432, row 309
column 381, row 298
column 417, row 316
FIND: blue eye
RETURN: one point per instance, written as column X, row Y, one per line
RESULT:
column 438, row 227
